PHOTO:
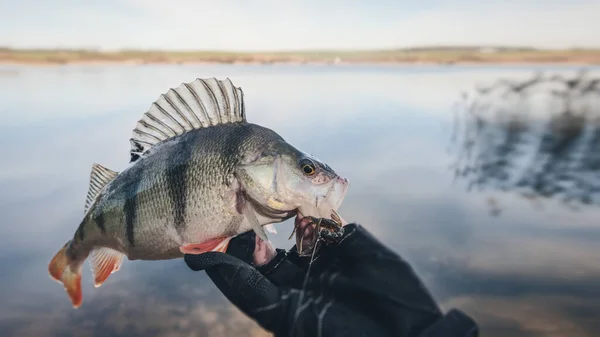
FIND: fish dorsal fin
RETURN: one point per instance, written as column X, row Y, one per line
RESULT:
column 99, row 178
column 193, row 105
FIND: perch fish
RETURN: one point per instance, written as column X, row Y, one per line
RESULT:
column 199, row 174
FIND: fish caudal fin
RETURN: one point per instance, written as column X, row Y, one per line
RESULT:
column 105, row 261
column 214, row 245
column 194, row 105
column 62, row 269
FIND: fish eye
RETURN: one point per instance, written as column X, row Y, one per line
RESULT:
column 308, row 167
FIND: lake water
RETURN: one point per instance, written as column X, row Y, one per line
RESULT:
column 527, row 272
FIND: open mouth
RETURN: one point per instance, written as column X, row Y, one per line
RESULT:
column 330, row 202
column 309, row 231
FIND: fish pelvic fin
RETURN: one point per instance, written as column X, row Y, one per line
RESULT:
column 215, row 245
column 99, row 178
column 104, row 261
column 63, row 270
column 193, row 105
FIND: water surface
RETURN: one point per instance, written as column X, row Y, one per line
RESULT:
column 528, row 272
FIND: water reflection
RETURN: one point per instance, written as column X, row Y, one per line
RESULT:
column 526, row 273
column 539, row 137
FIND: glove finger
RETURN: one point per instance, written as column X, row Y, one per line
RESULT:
column 358, row 244
column 249, row 248
column 243, row 246
column 272, row 263
column 382, row 271
column 283, row 271
column 241, row 283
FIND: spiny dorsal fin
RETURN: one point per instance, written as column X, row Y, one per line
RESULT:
column 193, row 105
column 99, row 178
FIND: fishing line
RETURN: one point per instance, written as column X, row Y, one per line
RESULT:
column 306, row 277
column 317, row 238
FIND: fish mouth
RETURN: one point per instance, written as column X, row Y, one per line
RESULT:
column 337, row 192
column 325, row 205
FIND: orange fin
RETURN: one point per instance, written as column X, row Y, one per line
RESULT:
column 105, row 261
column 214, row 245
column 61, row 269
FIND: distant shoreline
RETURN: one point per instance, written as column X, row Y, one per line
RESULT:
column 439, row 56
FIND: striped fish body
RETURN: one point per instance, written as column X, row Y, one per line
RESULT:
column 183, row 192
column 199, row 175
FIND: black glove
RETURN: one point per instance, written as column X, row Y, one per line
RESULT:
column 356, row 287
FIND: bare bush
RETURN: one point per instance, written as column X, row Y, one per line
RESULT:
column 538, row 137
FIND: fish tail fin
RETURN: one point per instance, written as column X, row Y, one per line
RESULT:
column 64, row 270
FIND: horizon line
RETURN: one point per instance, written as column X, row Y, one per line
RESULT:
column 342, row 50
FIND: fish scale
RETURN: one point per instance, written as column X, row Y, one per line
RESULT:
column 199, row 175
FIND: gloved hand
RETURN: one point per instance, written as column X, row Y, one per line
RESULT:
column 355, row 287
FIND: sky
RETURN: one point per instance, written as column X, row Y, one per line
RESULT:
column 242, row 25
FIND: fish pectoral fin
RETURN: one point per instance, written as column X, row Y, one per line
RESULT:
column 214, row 245
column 105, row 261
column 253, row 221
column 270, row 228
